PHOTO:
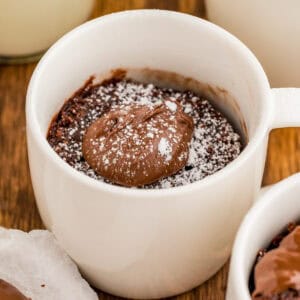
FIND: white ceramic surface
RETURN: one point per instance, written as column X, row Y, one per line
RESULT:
column 275, row 209
column 270, row 28
column 150, row 243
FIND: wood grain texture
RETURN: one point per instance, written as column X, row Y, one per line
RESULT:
column 17, row 205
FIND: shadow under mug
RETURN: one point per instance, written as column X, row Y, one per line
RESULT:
column 151, row 243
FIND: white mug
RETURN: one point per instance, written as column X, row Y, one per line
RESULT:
column 276, row 208
column 30, row 27
column 151, row 243
column 270, row 28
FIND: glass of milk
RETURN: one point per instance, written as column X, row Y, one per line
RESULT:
column 29, row 27
column 271, row 28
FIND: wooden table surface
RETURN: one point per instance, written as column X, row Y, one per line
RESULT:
column 17, row 204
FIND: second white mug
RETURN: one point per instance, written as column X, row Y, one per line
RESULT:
column 274, row 210
column 270, row 28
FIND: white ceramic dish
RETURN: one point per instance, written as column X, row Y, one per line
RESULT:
column 275, row 209
column 151, row 243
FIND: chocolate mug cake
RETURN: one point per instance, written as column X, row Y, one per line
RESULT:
column 138, row 134
column 275, row 274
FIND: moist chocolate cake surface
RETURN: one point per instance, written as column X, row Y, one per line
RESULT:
column 214, row 142
column 275, row 274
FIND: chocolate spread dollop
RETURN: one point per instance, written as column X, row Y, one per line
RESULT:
column 278, row 270
column 9, row 292
column 134, row 145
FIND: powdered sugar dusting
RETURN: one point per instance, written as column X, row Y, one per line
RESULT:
column 172, row 106
column 165, row 149
column 214, row 143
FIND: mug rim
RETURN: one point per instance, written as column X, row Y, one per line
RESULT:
column 264, row 126
column 237, row 273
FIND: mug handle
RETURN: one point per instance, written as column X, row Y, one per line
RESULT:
column 287, row 107
column 287, row 114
